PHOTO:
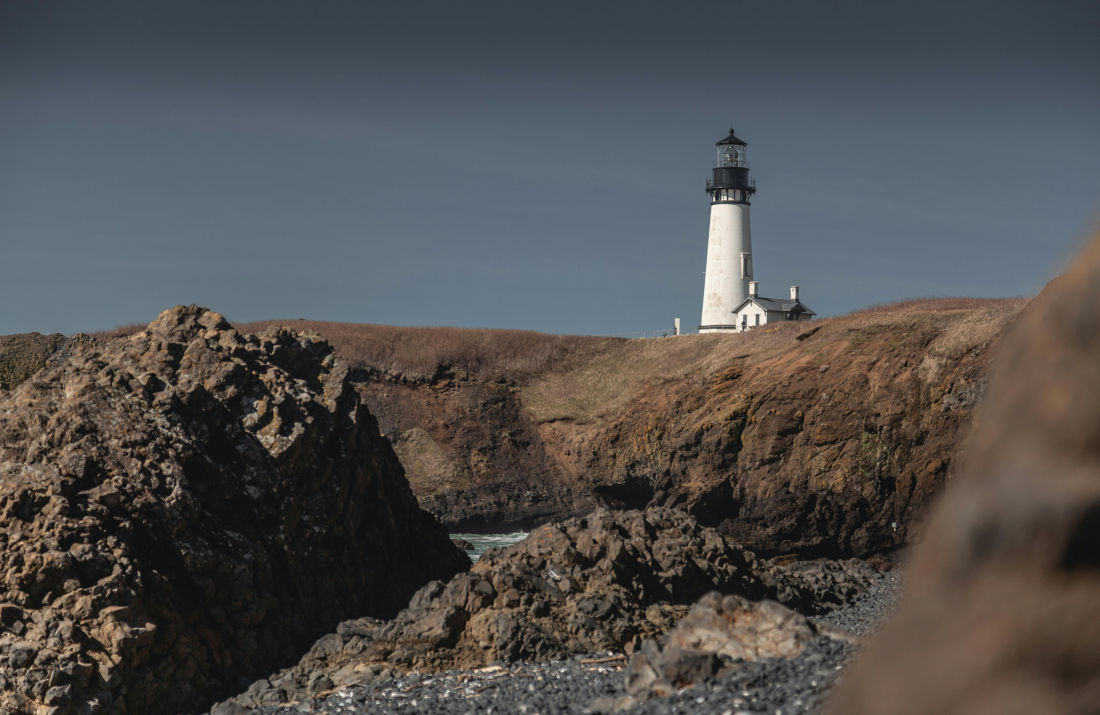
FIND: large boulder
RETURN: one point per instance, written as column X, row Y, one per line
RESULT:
column 1002, row 608
column 718, row 633
column 188, row 507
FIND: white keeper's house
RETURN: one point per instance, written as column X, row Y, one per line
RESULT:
column 731, row 302
column 758, row 310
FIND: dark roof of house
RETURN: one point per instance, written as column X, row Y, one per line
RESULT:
column 731, row 139
column 784, row 306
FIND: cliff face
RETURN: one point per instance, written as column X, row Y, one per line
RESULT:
column 189, row 506
column 831, row 443
column 478, row 456
column 823, row 438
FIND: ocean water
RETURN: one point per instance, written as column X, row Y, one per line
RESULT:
column 482, row 542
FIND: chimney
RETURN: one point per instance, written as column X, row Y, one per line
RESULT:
column 753, row 285
column 794, row 292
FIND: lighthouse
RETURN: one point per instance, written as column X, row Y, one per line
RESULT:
column 729, row 246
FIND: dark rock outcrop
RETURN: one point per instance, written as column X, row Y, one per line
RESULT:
column 190, row 506
column 1001, row 613
column 816, row 586
column 604, row 582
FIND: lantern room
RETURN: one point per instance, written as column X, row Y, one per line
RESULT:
column 729, row 181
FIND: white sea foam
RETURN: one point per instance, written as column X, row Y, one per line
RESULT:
column 482, row 542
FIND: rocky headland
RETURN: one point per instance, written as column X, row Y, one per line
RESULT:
column 827, row 438
column 188, row 507
column 1000, row 613
column 194, row 512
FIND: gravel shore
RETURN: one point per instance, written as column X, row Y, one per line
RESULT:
column 786, row 687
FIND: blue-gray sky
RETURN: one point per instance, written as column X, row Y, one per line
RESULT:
column 531, row 165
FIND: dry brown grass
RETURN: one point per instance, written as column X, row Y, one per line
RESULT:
column 607, row 379
column 585, row 378
column 120, row 331
column 424, row 353
column 603, row 384
column 610, row 378
column 939, row 305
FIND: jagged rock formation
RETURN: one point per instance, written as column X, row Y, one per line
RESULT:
column 189, row 506
column 604, row 582
column 1002, row 607
column 825, row 438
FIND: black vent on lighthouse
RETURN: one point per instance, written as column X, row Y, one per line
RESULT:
column 730, row 181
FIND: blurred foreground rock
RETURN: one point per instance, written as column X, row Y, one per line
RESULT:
column 1002, row 609
column 586, row 585
column 190, row 506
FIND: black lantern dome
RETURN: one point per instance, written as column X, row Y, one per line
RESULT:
column 731, row 139
column 730, row 182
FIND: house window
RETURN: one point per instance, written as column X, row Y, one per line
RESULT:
column 758, row 318
column 744, row 322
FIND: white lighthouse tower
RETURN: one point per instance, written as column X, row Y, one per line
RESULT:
column 729, row 248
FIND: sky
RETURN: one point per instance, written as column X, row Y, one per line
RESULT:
column 532, row 165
